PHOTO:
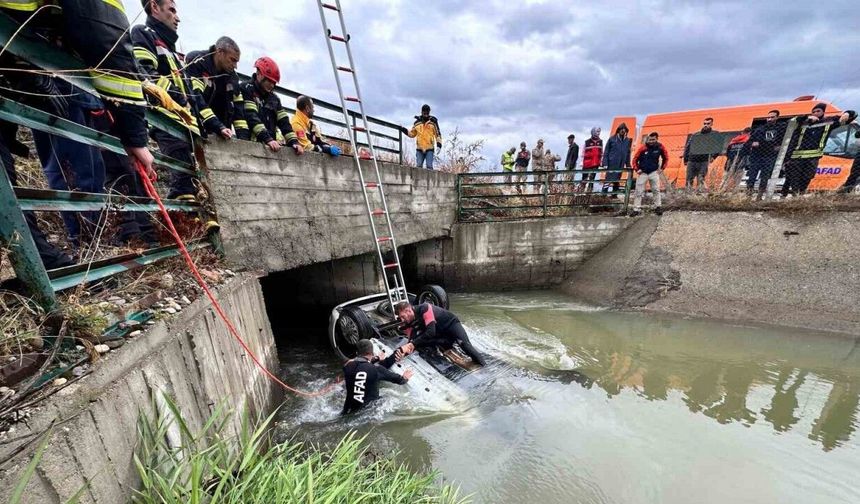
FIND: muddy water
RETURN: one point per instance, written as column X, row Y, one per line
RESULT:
column 594, row 406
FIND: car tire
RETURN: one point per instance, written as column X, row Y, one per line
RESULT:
column 384, row 307
column 434, row 295
column 352, row 326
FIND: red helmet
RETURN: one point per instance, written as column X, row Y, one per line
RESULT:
column 268, row 68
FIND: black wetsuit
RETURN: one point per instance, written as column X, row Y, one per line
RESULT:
column 434, row 326
column 362, row 381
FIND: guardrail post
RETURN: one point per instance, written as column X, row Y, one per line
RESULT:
column 459, row 194
column 23, row 255
column 400, row 148
column 545, row 191
column 627, row 185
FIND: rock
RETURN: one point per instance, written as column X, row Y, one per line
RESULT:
column 79, row 371
column 229, row 273
column 167, row 281
column 104, row 305
column 171, row 311
column 6, row 392
column 59, row 382
column 114, row 299
column 212, row 276
column 12, row 358
column 169, row 300
column 129, row 323
column 102, row 349
column 79, row 348
column 135, row 334
column 184, row 300
column 150, row 322
column 114, row 344
column 120, row 302
column 176, row 306
column 69, row 391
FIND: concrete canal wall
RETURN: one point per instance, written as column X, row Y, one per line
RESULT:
column 193, row 358
column 528, row 254
column 800, row 270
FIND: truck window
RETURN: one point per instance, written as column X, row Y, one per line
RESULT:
column 838, row 143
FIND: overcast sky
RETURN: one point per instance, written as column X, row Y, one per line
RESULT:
column 512, row 70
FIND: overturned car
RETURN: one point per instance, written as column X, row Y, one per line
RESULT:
column 372, row 317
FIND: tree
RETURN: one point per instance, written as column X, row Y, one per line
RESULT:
column 460, row 156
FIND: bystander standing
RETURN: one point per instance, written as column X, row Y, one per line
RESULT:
column 764, row 144
column 616, row 157
column 650, row 160
column 591, row 157
column 697, row 164
column 807, row 147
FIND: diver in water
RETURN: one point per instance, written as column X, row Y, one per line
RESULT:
column 427, row 325
column 362, row 375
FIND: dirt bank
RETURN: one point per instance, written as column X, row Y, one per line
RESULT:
column 801, row 271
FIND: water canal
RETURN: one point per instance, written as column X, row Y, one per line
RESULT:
column 596, row 406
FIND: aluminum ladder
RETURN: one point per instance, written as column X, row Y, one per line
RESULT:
column 373, row 190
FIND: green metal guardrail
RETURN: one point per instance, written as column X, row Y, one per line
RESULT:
column 14, row 231
column 483, row 197
column 31, row 47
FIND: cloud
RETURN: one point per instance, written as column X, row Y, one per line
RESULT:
column 507, row 71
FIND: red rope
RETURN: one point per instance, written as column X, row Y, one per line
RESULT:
column 150, row 190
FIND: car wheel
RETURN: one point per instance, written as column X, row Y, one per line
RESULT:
column 352, row 326
column 434, row 295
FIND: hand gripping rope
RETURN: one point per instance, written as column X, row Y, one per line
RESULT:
column 150, row 190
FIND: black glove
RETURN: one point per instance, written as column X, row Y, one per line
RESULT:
column 404, row 130
column 438, row 145
column 851, row 115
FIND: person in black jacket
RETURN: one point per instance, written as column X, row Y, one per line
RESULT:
column 362, row 376
column 429, row 326
column 697, row 164
column 214, row 80
column 764, row 144
column 616, row 156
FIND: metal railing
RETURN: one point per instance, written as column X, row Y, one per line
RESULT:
column 501, row 196
column 14, row 201
column 387, row 132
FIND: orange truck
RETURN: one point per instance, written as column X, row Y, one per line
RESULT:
column 676, row 127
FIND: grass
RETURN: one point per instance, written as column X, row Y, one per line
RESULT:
column 208, row 467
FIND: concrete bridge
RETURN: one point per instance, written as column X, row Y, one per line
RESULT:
column 280, row 211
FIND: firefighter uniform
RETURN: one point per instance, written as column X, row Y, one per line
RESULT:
column 220, row 99
column 806, row 150
column 155, row 51
column 92, row 28
column 267, row 118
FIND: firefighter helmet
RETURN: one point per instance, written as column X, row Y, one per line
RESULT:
column 268, row 69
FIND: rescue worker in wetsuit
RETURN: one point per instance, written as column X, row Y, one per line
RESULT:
column 429, row 326
column 362, row 376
